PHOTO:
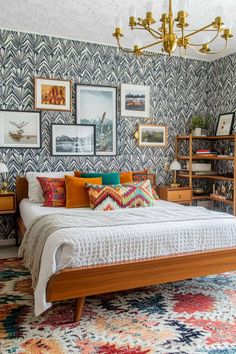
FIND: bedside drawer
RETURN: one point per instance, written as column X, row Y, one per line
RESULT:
column 7, row 203
column 177, row 196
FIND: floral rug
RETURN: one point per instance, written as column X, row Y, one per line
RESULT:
column 194, row 316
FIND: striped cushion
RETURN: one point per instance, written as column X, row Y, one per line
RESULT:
column 134, row 195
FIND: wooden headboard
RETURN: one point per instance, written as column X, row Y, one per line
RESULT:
column 21, row 189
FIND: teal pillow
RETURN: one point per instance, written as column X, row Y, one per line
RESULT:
column 107, row 178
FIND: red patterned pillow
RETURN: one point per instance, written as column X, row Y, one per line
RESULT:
column 53, row 191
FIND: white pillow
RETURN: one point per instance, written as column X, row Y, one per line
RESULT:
column 35, row 192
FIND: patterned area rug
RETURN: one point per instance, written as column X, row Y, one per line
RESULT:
column 194, row 316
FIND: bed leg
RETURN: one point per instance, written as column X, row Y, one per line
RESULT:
column 79, row 305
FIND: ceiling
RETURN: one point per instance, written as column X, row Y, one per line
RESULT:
column 94, row 20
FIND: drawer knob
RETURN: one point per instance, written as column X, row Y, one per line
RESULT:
column 179, row 196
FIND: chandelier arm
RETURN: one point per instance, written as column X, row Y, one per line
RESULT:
column 154, row 36
column 213, row 53
column 199, row 30
column 150, row 45
column 212, row 40
column 156, row 32
column 126, row 50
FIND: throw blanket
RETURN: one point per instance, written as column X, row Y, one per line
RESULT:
column 42, row 227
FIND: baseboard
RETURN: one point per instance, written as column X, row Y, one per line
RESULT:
column 10, row 242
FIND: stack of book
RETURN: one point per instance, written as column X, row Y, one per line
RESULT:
column 206, row 152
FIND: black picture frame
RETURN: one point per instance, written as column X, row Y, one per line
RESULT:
column 68, row 153
column 229, row 125
column 79, row 119
column 17, row 134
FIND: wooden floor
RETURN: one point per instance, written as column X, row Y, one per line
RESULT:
column 8, row 252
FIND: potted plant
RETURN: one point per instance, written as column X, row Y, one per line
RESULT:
column 200, row 125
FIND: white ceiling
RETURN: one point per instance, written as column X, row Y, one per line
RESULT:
column 94, row 20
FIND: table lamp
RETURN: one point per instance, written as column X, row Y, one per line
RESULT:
column 175, row 166
column 3, row 170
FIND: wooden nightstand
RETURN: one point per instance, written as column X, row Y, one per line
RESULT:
column 7, row 203
column 180, row 195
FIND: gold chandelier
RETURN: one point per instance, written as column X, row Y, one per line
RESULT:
column 168, row 35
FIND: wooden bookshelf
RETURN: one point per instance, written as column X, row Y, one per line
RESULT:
column 191, row 176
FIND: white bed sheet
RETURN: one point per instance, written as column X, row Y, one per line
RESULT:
column 30, row 210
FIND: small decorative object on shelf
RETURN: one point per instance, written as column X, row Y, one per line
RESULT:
column 200, row 126
column 4, row 171
column 175, row 166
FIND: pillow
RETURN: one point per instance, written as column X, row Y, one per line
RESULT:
column 139, row 176
column 76, row 193
column 154, row 193
column 126, row 177
column 35, row 193
column 120, row 196
column 53, row 191
column 108, row 178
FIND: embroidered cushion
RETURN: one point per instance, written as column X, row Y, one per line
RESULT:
column 53, row 191
column 139, row 176
column 134, row 195
column 76, row 193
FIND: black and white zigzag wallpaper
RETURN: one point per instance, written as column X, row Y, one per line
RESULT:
column 178, row 88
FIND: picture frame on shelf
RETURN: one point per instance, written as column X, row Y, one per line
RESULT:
column 135, row 100
column 52, row 94
column 73, row 140
column 152, row 135
column 225, row 124
column 98, row 105
column 20, row 129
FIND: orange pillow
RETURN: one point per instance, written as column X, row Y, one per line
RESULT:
column 126, row 177
column 76, row 193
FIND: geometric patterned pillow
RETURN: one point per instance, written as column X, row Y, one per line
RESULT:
column 154, row 193
column 120, row 196
column 54, row 191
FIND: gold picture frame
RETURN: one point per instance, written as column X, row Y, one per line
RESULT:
column 152, row 135
column 52, row 94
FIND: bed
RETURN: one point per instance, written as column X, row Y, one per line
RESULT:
column 200, row 243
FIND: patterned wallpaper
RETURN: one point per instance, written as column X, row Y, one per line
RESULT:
column 178, row 91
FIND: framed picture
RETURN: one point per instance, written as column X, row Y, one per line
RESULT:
column 135, row 100
column 152, row 135
column 73, row 140
column 225, row 124
column 97, row 105
column 20, row 129
column 52, row 94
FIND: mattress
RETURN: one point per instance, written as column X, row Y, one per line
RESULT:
column 29, row 210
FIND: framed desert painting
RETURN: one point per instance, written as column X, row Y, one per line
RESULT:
column 73, row 140
column 152, row 135
column 52, row 94
column 20, row 129
column 135, row 100
column 97, row 105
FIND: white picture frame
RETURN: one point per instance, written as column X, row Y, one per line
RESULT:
column 20, row 129
column 135, row 100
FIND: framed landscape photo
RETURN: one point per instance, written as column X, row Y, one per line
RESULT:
column 97, row 105
column 20, row 129
column 152, row 135
column 73, row 140
column 225, row 124
column 135, row 100
column 52, row 94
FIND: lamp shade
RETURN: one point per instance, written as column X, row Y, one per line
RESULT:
column 3, row 168
column 175, row 166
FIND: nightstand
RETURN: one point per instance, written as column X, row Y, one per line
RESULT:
column 180, row 195
column 7, row 203
column 8, row 206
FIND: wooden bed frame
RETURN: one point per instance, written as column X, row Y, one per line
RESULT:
column 77, row 283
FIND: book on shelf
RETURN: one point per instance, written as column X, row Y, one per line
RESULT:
column 203, row 152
